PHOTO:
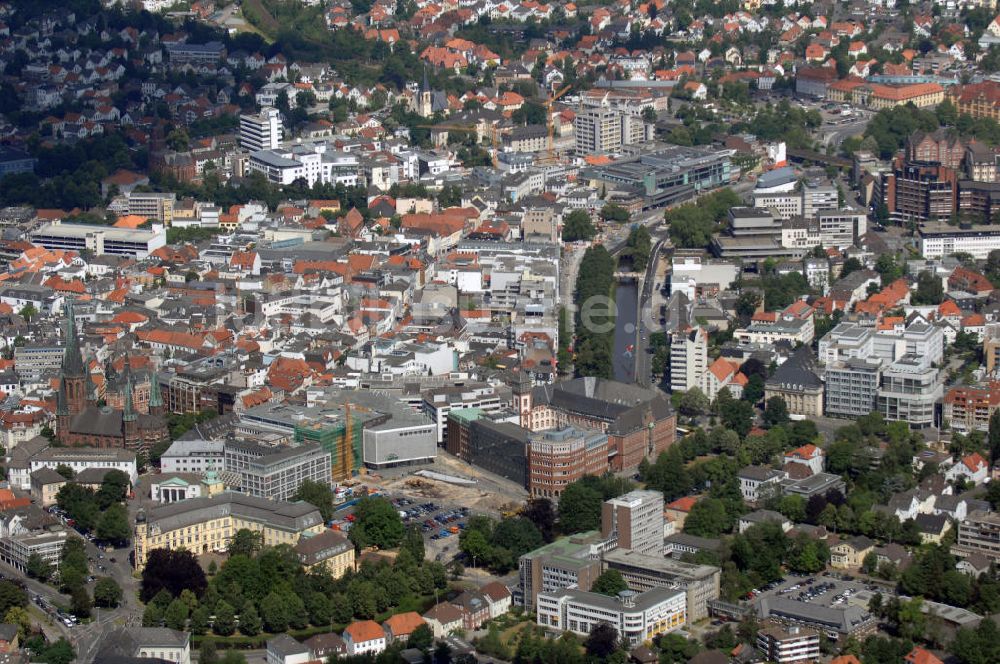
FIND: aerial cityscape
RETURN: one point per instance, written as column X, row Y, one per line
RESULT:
column 458, row 331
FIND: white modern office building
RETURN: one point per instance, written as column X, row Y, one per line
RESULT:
column 637, row 617
column 938, row 239
column 310, row 163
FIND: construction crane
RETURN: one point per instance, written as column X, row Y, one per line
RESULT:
column 494, row 136
column 343, row 464
column 550, row 150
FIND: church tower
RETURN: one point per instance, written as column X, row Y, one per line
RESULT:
column 130, row 421
column 155, row 396
column 425, row 107
column 62, row 413
column 521, row 387
column 74, row 372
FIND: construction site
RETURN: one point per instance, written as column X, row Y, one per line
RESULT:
column 450, row 481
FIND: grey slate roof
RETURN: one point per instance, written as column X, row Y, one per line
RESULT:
column 797, row 372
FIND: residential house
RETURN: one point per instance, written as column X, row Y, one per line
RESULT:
column 849, row 554
column 972, row 468
column 365, row 637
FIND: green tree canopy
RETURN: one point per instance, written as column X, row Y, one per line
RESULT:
column 376, row 523
column 610, row 583
column 578, row 226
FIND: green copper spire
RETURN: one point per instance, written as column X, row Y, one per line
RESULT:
column 155, row 398
column 128, row 412
column 72, row 364
column 62, row 405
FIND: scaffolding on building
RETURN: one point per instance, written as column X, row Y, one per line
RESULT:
column 345, row 459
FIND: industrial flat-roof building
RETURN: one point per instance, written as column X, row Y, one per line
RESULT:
column 668, row 175
column 99, row 240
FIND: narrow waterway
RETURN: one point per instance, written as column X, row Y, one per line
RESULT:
column 627, row 304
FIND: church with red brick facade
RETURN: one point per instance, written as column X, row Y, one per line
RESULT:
column 82, row 421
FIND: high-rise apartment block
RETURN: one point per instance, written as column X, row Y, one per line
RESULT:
column 261, row 131
column 604, row 130
column 635, row 521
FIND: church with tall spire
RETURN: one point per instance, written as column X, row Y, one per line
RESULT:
column 81, row 420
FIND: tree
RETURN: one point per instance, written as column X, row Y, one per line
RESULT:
column 114, row 488
column 738, row 417
column 870, row 563
column 341, row 610
column 246, row 542
column 80, row 603
column 274, row 613
column 806, row 555
column 518, row 536
column 19, row 616
column 602, row 641
column 579, row 508
column 60, row 652
column 113, row 525
column 888, row 268
column 540, row 512
column 413, row 542
column 910, row 620
column 775, row 412
column 993, row 437
column 11, row 596
column 176, row 615
column 250, row 622
column 578, row 226
column 639, row 245
column 475, row 545
column 753, row 391
column 693, row 402
column 152, row 616
column 173, row 571
column 198, row 624
column 708, row 518
column 930, row 290
column 65, row 471
column 421, row 638
column 319, row 607
column 675, row 649
column 317, row 494
column 610, row 583
column 208, row 653
column 614, row 212
column 73, row 567
column 450, row 196
column 38, row 568
column 746, row 305
column 225, row 619
column 107, row 593
column 377, row 524
column 852, row 264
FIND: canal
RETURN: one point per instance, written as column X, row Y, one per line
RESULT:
column 627, row 317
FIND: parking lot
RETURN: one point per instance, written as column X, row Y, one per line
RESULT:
column 830, row 590
column 439, row 523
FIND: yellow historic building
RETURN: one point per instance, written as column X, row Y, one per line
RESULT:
column 330, row 550
column 201, row 525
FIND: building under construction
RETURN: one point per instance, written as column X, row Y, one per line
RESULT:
column 342, row 439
